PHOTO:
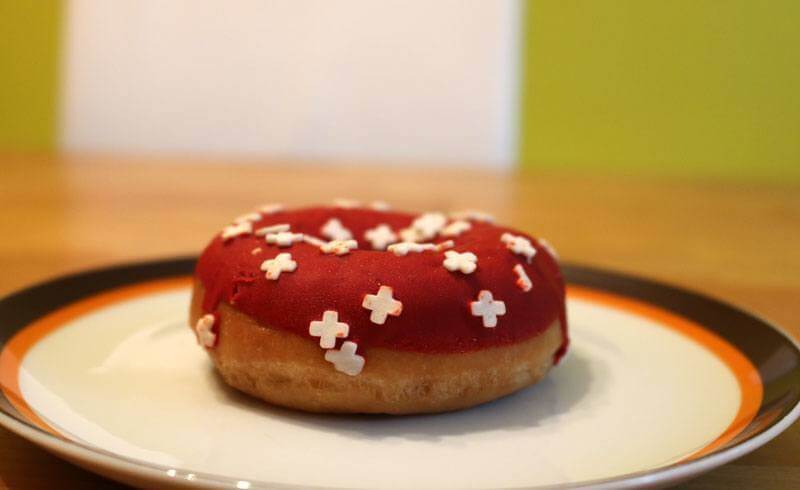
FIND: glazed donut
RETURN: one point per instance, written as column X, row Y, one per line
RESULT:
column 359, row 309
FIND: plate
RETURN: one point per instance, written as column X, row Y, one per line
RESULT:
column 660, row 385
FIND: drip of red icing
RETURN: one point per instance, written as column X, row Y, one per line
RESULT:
column 435, row 316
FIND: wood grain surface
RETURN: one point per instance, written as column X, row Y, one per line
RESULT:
column 737, row 241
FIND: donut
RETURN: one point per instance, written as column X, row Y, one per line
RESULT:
column 360, row 309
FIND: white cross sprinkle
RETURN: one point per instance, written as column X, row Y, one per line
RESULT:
column 281, row 263
column 272, row 229
column 380, row 205
column 231, row 231
column 456, row 228
column 465, row 262
column 519, row 245
column 204, row 331
column 429, row 224
column 380, row 236
column 339, row 247
column 346, row 360
column 311, row 240
column 271, row 208
column 334, row 230
column 329, row 329
column 487, row 308
column 284, row 238
column 444, row 245
column 523, row 281
column 382, row 304
column 403, row 248
column 410, row 235
column 473, row 215
column 252, row 217
column 346, row 203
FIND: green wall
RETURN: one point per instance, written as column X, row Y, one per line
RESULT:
column 698, row 87
column 29, row 65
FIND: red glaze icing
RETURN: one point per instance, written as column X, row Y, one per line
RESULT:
column 435, row 317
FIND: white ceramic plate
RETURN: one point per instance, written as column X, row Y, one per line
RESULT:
column 659, row 385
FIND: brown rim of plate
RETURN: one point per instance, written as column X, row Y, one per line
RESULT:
column 775, row 356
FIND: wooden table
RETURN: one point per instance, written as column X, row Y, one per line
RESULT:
column 738, row 241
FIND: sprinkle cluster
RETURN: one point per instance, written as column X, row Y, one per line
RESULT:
column 379, row 305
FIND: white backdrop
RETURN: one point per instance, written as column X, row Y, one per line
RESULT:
column 383, row 81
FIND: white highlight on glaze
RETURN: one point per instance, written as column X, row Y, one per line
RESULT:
column 251, row 217
column 256, row 251
column 273, row 229
column 346, row 360
column 380, row 236
column 203, row 329
column 382, row 304
column 380, row 206
column 328, row 329
column 339, row 247
column 523, row 281
column 312, row 240
column 488, row 308
column 284, row 238
column 547, row 246
column 473, row 215
column 456, row 228
column 237, row 229
column 519, row 245
column 346, row 203
column 271, row 208
column 281, row 263
column 465, row 262
column 333, row 230
column 429, row 225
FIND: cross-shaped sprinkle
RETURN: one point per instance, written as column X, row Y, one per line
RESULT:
column 329, row 329
column 523, row 281
column 456, row 228
column 204, row 331
column 519, row 245
column 473, row 215
column 382, row 304
column 334, row 230
column 284, row 238
column 403, row 248
column 487, row 308
column 252, row 217
column 465, row 262
column 346, row 360
column 311, row 240
column 410, row 235
column 271, row 208
column 281, row 263
column 429, row 224
column 338, row 247
column 272, row 229
column 380, row 236
column 346, row 203
column 235, row 230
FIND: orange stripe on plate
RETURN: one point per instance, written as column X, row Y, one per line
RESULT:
column 746, row 374
column 752, row 390
column 15, row 350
